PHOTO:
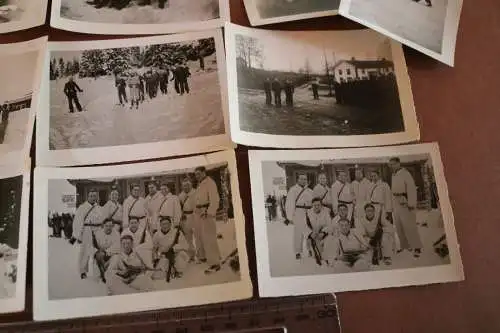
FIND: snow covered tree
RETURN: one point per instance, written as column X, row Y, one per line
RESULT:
column 161, row 55
column 93, row 63
column 61, row 66
column 76, row 66
column 53, row 69
column 68, row 71
column 118, row 60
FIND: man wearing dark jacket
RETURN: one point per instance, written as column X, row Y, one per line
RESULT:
column 70, row 90
column 289, row 89
column 267, row 90
column 276, row 86
column 121, row 86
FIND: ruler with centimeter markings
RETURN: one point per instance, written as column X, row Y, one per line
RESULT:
column 300, row 314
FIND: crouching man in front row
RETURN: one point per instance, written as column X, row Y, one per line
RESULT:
column 169, row 261
column 126, row 273
column 348, row 252
column 106, row 241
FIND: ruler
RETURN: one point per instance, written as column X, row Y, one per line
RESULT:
column 314, row 314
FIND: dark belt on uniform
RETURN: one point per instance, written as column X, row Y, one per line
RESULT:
column 92, row 225
column 203, row 206
column 375, row 203
column 188, row 212
column 345, row 202
column 304, row 207
column 136, row 217
column 400, row 195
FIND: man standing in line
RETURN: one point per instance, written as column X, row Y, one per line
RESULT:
column 71, row 90
column 106, row 241
column 126, row 273
column 134, row 206
column 267, row 91
column 322, row 191
column 207, row 201
column 186, row 198
column 289, row 89
column 361, row 188
column 87, row 219
column 404, row 195
column 170, row 206
column 187, row 74
column 276, row 87
column 152, row 204
column 112, row 210
column 342, row 194
column 381, row 197
column 121, row 86
column 298, row 201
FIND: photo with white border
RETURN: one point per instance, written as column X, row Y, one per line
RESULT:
column 333, row 89
column 19, row 98
column 352, row 219
column 14, row 219
column 18, row 15
column 187, row 247
column 138, row 18
column 261, row 12
column 133, row 99
column 428, row 26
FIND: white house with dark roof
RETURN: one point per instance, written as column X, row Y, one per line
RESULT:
column 350, row 70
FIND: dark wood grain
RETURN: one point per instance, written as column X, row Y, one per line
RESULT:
column 458, row 107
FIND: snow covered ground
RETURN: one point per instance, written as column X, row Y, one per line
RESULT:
column 175, row 11
column 283, row 262
column 106, row 123
column 7, row 287
column 411, row 20
column 65, row 282
column 16, row 131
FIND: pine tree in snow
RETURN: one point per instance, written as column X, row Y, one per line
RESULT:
column 118, row 60
column 93, row 63
column 61, row 66
column 76, row 66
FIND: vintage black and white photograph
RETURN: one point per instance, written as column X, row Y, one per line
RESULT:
column 21, row 14
column 330, row 213
column 22, row 61
column 167, row 91
column 173, row 227
column 333, row 88
column 261, row 12
column 429, row 26
column 14, row 205
column 132, row 17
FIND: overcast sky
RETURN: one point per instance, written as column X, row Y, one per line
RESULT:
column 17, row 73
column 289, row 50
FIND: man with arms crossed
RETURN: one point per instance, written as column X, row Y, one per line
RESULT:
column 322, row 191
column 404, row 199
column 186, row 198
column 87, row 219
column 361, row 188
column 170, row 206
column 342, row 194
column 126, row 273
column 134, row 206
column 112, row 210
column 298, row 201
column 207, row 201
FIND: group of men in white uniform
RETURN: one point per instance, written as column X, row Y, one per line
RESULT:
column 137, row 242
column 353, row 225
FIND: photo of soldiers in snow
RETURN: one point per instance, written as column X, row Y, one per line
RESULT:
column 164, row 231
column 315, row 90
column 129, row 94
column 140, row 11
column 355, row 215
column 10, row 210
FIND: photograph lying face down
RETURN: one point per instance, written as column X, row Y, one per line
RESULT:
column 380, row 211
column 169, row 227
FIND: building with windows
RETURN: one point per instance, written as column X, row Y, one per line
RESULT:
column 20, row 103
column 350, row 70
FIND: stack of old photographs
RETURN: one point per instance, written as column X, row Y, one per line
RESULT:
column 114, row 233
column 429, row 26
column 18, row 15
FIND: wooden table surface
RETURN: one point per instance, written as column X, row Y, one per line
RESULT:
column 458, row 107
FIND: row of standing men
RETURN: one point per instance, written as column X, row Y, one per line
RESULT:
column 133, row 240
column 370, row 206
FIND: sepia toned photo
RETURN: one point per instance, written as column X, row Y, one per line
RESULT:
column 262, row 12
column 14, row 207
column 24, row 62
column 312, row 97
column 146, row 91
column 429, row 26
column 132, row 17
column 173, row 227
column 365, row 211
column 21, row 14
